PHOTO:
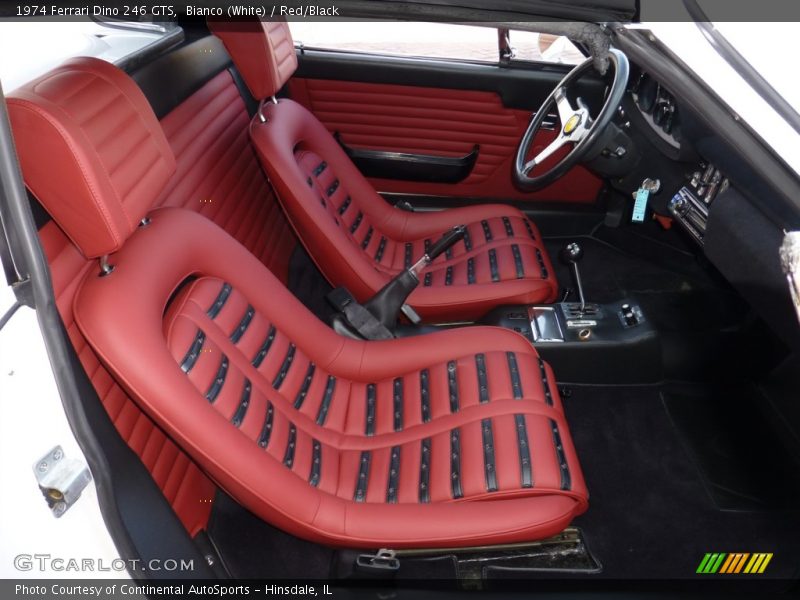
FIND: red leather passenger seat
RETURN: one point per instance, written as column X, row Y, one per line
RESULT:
column 452, row 440
column 218, row 175
column 356, row 238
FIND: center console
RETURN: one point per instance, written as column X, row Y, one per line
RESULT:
column 603, row 343
column 586, row 342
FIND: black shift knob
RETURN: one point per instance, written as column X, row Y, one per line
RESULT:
column 571, row 253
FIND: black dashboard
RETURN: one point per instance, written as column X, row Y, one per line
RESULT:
column 658, row 108
column 713, row 190
column 664, row 134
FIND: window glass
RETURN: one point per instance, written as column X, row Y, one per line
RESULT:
column 429, row 40
column 544, row 47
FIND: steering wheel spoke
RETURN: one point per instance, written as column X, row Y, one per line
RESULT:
column 546, row 152
column 563, row 105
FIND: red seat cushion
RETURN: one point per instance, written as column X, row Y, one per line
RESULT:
column 360, row 241
column 344, row 442
column 356, row 238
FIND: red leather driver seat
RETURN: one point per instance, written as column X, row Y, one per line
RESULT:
column 356, row 238
column 457, row 439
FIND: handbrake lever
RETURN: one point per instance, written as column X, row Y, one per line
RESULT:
column 444, row 243
column 379, row 319
column 391, row 298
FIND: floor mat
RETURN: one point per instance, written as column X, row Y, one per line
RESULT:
column 253, row 549
column 743, row 465
column 650, row 516
column 308, row 284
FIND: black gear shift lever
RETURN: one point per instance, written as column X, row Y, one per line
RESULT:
column 570, row 255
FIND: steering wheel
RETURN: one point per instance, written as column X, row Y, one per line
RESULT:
column 577, row 125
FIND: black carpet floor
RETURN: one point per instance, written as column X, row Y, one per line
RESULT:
column 308, row 284
column 701, row 321
column 674, row 289
column 651, row 515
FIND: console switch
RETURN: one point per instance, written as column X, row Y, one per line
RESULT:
column 630, row 315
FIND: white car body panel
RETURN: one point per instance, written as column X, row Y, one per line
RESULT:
column 32, row 422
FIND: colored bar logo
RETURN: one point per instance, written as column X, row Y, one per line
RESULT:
column 734, row 563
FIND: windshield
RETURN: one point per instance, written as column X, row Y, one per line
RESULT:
column 769, row 48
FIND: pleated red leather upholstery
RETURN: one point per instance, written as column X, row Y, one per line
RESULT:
column 345, row 442
column 306, row 428
column 253, row 39
column 106, row 155
column 186, row 488
column 218, row 174
column 442, row 122
column 359, row 241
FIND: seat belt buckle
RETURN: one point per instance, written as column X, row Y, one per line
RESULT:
column 340, row 298
column 383, row 561
column 411, row 314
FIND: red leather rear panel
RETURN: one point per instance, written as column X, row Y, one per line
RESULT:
column 188, row 491
column 440, row 122
column 218, row 174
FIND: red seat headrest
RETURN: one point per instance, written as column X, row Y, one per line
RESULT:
column 263, row 52
column 91, row 151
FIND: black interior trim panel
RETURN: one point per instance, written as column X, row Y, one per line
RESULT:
column 411, row 167
column 743, row 244
column 170, row 79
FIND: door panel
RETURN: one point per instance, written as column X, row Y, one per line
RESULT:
column 395, row 105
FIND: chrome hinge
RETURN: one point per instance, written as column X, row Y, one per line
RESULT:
column 506, row 52
column 61, row 479
column 411, row 314
column 383, row 560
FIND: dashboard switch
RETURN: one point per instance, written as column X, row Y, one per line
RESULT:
column 630, row 315
column 678, row 205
